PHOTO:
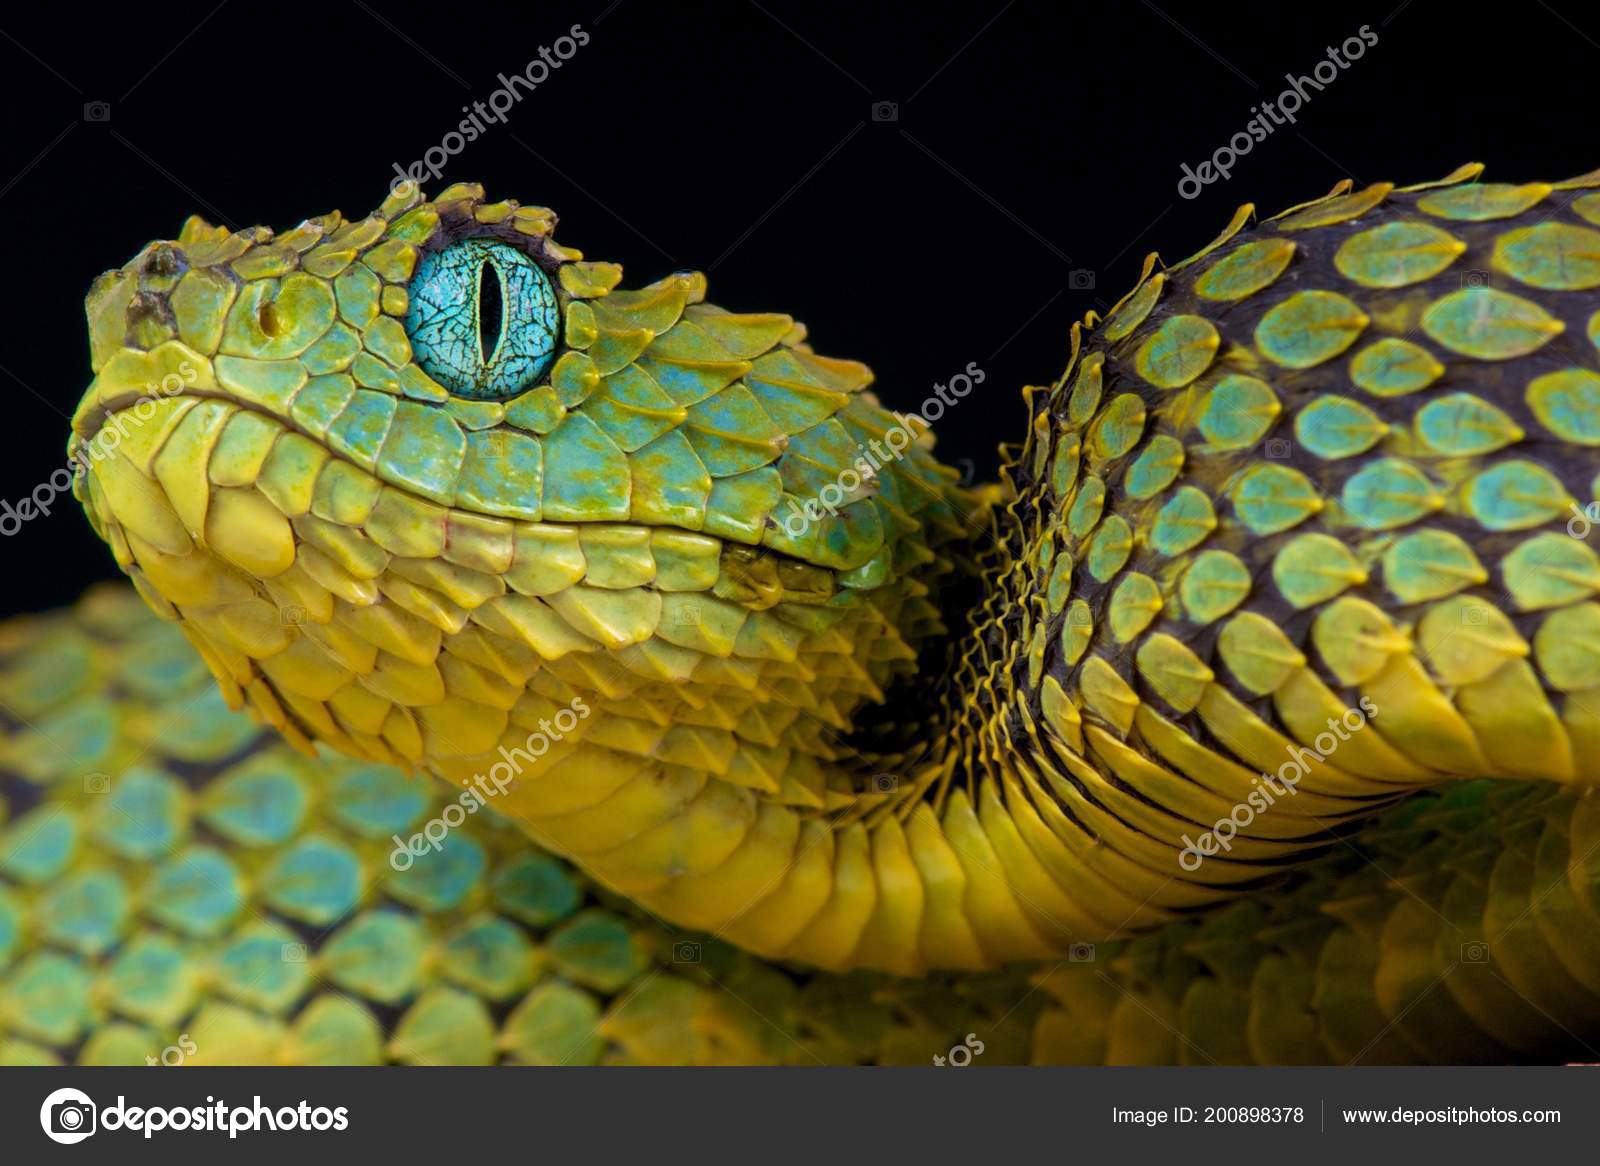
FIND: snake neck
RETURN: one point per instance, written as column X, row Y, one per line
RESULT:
column 865, row 833
column 960, row 721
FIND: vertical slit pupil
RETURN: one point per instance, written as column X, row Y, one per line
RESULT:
column 490, row 310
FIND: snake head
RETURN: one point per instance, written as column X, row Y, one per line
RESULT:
column 414, row 480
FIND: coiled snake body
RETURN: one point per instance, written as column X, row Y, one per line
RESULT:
column 1253, row 716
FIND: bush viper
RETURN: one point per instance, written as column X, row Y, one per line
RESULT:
column 1252, row 716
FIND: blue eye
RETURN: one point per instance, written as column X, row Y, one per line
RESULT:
column 483, row 319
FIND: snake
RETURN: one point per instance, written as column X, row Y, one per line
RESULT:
column 520, row 666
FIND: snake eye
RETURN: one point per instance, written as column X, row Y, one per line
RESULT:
column 483, row 319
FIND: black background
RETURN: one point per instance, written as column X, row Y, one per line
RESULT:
column 1032, row 140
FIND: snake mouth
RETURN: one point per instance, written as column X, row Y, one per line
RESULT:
column 276, row 503
column 94, row 420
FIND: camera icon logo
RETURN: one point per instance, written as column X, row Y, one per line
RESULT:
column 1080, row 279
column 1472, row 279
column 1080, row 953
column 1278, row 449
column 97, row 783
column 68, row 1116
column 97, row 111
column 885, row 111
column 291, row 615
column 686, row 951
column 1475, row 952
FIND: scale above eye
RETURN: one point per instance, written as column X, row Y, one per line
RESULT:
column 483, row 319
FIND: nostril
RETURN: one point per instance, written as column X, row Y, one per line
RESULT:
column 267, row 316
column 149, row 320
column 146, row 305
